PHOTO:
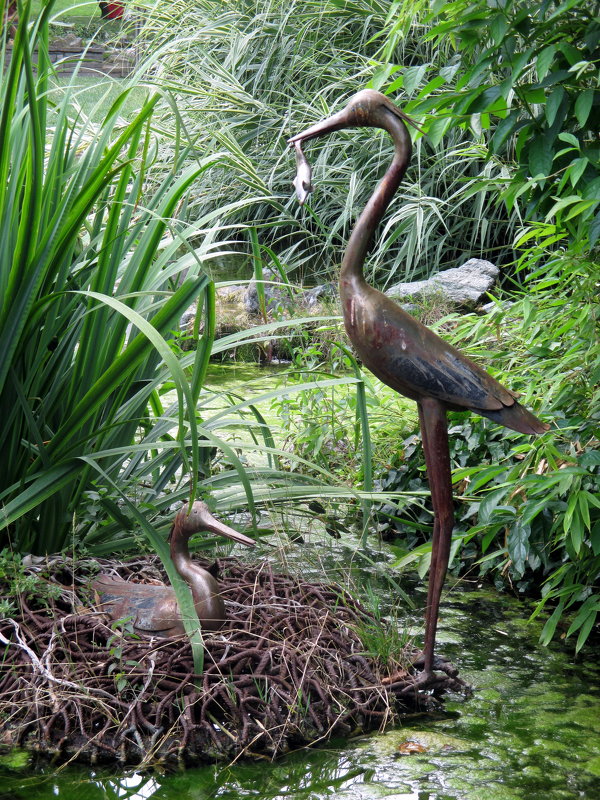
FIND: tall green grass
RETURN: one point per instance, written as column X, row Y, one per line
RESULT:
column 97, row 264
column 246, row 76
column 89, row 261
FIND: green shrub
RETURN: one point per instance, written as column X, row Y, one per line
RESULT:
column 244, row 77
column 525, row 76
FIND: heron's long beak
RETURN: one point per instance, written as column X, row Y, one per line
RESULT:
column 334, row 123
column 215, row 526
column 303, row 179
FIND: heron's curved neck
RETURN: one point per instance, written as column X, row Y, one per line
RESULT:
column 362, row 234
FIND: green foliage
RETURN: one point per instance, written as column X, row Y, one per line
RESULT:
column 80, row 216
column 247, row 76
column 102, row 422
column 383, row 639
column 526, row 77
column 324, row 425
column 16, row 581
column 123, row 630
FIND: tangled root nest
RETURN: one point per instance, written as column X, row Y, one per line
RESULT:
column 287, row 669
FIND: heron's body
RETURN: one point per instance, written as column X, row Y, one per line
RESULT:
column 402, row 352
column 413, row 360
column 153, row 608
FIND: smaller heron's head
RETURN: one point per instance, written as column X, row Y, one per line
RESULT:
column 199, row 519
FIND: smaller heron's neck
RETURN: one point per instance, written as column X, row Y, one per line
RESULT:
column 351, row 273
column 180, row 555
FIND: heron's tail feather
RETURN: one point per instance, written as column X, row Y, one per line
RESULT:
column 516, row 417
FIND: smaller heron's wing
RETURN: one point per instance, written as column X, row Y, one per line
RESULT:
column 151, row 607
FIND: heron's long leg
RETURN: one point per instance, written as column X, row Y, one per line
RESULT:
column 434, row 430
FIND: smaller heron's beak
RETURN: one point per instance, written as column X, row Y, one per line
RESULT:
column 215, row 526
column 334, row 123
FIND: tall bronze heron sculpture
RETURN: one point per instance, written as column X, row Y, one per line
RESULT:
column 402, row 352
column 153, row 607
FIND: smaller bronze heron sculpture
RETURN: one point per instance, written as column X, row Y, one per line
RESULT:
column 154, row 607
column 402, row 352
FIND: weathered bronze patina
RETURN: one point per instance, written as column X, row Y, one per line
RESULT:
column 153, row 607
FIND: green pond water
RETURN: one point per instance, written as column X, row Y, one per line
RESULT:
column 530, row 730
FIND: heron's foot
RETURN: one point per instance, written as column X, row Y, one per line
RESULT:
column 442, row 675
column 439, row 664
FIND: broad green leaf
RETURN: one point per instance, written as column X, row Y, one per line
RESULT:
column 498, row 28
column 485, row 476
column 584, row 508
column 490, row 503
column 544, row 60
column 504, row 129
column 594, row 230
column 437, row 129
column 589, row 606
column 579, row 208
column 413, row 77
column 534, row 95
column 576, row 532
column 586, row 629
column 577, row 168
column 392, row 87
column 583, row 106
column 432, row 86
column 519, row 64
column 518, row 546
column 561, row 204
column 485, row 100
column 541, row 156
column 551, row 623
column 381, row 76
column 570, row 139
column 595, row 538
column 571, row 506
column 571, row 53
column 591, row 458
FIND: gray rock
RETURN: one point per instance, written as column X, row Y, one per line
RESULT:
column 274, row 296
column 187, row 319
column 67, row 42
column 463, row 286
column 232, row 294
column 312, row 296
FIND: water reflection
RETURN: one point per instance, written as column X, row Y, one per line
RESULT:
column 135, row 787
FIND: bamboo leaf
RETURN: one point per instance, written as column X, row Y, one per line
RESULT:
column 544, row 60
column 583, row 106
column 541, row 156
column 553, row 103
